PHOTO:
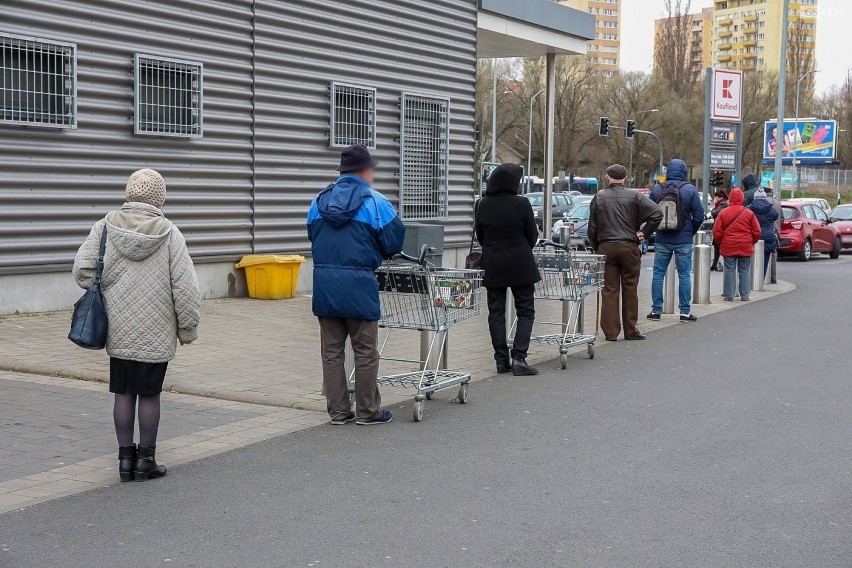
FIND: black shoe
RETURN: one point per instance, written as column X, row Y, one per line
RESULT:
column 637, row 337
column 146, row 466
column 345, row 420
column 612, row 339
column 655, row 316
column 520, row 368
column 126, row 461
column 688, row 317
column 714, row 268
column 503, row 368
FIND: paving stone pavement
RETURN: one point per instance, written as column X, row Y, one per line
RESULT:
column 58, row 438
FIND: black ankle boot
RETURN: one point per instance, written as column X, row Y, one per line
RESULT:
column 146, row 466
column 520, row 368
column 126, row 462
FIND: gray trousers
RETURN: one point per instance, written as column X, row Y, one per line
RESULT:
column 364, row 336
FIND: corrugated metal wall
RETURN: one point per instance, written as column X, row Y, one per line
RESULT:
column 391, row 45
column 55, row 183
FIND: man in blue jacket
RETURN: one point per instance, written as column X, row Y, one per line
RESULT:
column 352, row 228
column 676, row 241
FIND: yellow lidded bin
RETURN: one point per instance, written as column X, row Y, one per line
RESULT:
column 271, row 276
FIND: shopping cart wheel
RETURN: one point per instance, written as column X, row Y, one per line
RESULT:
column 429, row 395
column 591, row 350
column 563, row 359
column 352, row 399
column 463, row 393
column 418, row 410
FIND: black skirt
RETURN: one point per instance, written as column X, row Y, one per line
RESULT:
column 135, row 377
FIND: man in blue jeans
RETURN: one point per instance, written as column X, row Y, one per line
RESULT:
column 677, row 240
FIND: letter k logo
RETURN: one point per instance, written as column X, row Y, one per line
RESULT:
column 726, row 88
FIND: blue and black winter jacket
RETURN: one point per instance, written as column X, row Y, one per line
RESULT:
column 352, row 228
column 677, row 173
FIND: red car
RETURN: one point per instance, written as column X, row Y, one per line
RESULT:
column 806, row 229
column 842, row 218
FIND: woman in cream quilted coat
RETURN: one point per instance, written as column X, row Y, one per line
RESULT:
column 152, row 300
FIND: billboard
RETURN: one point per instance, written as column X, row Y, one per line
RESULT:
column 813, row 143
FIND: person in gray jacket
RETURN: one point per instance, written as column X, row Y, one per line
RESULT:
column 151, row 294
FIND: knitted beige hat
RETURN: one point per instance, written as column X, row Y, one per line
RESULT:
column 146, row 186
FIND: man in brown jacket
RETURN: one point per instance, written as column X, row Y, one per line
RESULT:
column 619, row 220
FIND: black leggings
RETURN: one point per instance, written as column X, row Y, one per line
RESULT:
column 124, row 416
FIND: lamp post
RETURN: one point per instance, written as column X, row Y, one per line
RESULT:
column 529, row 140
column 630, row 175
column 798, row 139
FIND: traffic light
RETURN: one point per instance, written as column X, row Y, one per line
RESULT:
column 717, row 179
column 604, row 126
column 631, row 128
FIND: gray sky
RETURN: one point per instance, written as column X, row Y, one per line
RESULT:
column 834, row 57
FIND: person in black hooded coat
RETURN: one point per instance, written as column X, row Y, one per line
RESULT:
column 506, row 230
column 750, row 187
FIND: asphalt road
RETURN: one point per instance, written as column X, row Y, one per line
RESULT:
column 722, row 443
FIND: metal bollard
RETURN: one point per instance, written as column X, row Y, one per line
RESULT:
column 702, row 256
column 510, row 312
column 700, row 238
column 773, row 268
column 670, row 288
column 426, row 342
column 757, row 275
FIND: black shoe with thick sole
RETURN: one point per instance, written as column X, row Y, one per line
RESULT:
column 146, row 465
column 503, row 368
column 520, row 368
column 688, row 317
column 637, row 337
column 126, row 461
column 611, row 338
column 655, row 316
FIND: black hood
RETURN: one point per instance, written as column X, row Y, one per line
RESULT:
column 749, row 182
column 505, row 179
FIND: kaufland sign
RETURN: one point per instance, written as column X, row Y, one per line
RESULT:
column 727, row 95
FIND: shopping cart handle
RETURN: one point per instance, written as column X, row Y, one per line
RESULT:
column 548, row 243
column 421, row 260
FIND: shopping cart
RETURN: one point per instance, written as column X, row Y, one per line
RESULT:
column 567, row 276
column 417, row 296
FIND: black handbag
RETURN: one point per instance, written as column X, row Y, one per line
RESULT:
column 473, row 260
column 89, row 323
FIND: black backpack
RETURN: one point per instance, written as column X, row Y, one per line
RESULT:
column 674, row 213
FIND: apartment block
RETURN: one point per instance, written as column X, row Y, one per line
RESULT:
column 747, row 35
column 604, row 55
column 699, row 51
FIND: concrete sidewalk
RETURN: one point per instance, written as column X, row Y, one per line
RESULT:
column 267, row 353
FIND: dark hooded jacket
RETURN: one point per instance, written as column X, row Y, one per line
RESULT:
column 352, row 228
column 766, row 216
column 507, row 232
column 678, row 173
column 736, row 228
column 750, row 187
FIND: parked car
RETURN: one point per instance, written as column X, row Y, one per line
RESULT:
column 561, row 203
column 841, row 217
column 582, row 199
column 806, row 229
column 577, row 221
column 821, row 203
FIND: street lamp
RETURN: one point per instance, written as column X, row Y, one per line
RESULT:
column 529, row 140
column 630, row 175
column 798, row 139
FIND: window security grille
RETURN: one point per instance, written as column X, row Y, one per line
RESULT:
column 168, row 97
column 38, row 82
column 425, row 157
column 353, row 115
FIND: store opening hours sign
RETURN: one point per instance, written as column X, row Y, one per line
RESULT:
column 727, row 103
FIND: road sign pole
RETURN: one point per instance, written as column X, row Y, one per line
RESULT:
column 782, row 100
column 739, row 166
column 708, row 133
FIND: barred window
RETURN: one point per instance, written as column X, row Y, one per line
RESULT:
column 38, row 82
column 353, row 115
column 425, row 157
column 168, row 97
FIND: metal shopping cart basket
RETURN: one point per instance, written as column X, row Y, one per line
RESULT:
column 567, row 276
column 417, row 296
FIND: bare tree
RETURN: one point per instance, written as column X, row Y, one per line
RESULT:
column 672, row 48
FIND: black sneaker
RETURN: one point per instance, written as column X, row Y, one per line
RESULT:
column 384, row 417
column 341, row 421
column 520, row 368
column 655, row 316
column 688, row 317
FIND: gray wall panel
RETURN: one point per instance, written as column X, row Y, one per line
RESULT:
column 55, row 184
column 390, row 45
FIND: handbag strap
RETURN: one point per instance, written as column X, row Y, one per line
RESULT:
column 99, row 267
column 473, row 233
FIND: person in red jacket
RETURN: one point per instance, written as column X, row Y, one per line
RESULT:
column 737, row 230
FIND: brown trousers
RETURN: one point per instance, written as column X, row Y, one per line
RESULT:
column 364, row 336
column 621, row 278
